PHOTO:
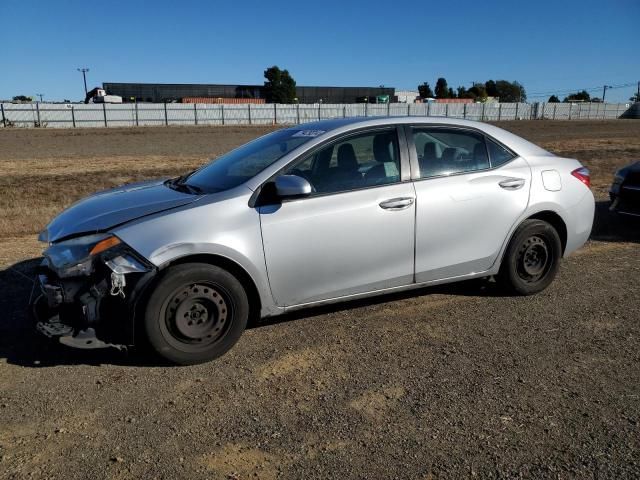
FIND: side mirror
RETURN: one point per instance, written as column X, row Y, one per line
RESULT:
column 290, row 186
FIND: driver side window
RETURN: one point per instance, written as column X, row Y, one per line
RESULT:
column 354, row 162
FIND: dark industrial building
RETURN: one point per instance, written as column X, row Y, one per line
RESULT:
column 173, row 92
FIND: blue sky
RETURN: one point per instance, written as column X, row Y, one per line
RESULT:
column 548, row 46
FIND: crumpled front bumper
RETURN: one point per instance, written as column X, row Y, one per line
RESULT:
column 93, row 311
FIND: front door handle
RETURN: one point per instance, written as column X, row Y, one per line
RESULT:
column 397, row 203
column 512, row 183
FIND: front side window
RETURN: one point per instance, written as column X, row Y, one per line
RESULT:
column 357, row 161
column 245, row 162
column 446, row 151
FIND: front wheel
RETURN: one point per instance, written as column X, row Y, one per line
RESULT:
column 196, row 313
column 532, row 258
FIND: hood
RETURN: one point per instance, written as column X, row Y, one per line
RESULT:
column 104, row 210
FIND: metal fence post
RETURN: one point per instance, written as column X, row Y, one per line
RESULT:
column 428, row 108
column 464, row 110
column 4, row 119
column 319, row 107
column 275, row 113
column 73, row 117
column 408, row 109
column 366, row 109
column 344, row 111
column 249, row 111
column 298, row 113
column 483, row 106
column 104, row 112
column 570, row 108
column 555, row 106
column 446, row 110
column 166, row 118
column 137, row 121
column 499, row 111
column 195, row 113
column 38, row 113
column 222, row 112
column 517, row 105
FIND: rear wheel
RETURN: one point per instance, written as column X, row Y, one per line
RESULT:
column 532, row 258
column 196, row 313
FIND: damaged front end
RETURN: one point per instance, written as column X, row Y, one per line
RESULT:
column 87, row 289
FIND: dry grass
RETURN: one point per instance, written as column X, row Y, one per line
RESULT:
column 28, row 199
column 44, row 171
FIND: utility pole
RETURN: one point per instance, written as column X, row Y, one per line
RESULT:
column 40, row 95
column 84, row 77
column 638, row 95
column 604, row 91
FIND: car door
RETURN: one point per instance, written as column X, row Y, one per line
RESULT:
column 354, row 233
column 470, row 192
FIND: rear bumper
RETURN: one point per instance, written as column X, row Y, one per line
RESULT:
column 579, row 222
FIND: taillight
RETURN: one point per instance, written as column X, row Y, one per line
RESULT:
column 583, row 174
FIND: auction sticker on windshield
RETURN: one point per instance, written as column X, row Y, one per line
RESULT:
column 308, row 133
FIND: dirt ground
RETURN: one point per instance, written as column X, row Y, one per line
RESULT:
column 449, row 382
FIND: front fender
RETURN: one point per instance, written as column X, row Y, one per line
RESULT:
column 225, row 227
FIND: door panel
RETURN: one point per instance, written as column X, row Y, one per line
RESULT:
column 462, row 220
column 329, row 246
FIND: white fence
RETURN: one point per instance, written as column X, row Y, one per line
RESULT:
column 148, row 114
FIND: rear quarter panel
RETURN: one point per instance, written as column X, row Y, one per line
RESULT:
column 573, row 202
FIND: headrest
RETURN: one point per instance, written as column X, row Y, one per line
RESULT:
column 347, row 157
column 382, row 147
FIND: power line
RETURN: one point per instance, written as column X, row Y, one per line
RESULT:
column 574, row 90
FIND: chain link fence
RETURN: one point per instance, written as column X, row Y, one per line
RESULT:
column 150, row 114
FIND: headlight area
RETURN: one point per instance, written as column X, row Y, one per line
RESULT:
column 85, row 291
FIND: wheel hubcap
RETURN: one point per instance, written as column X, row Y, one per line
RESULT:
column 197, row 314
column 533, row 259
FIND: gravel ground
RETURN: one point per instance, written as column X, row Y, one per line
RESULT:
column 449, row 382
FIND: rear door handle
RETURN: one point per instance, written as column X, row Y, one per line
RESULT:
column 397, row 203
column 512, row 183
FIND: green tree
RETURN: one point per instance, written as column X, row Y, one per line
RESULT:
column 553, row 99
column 425, row 90
column 491, row 88
column 442, row 89
column 279, row 87
column 582, row 96
column 451, row 93
column 506, row 91
column 22, row 98
column 478, row 92
column 464, row 93
column 510, row 91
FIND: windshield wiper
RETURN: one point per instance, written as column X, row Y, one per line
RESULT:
column 180, row 184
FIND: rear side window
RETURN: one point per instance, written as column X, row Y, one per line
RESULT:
column 446, row 151
column 498, row 154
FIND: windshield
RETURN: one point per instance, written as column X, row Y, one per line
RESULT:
column 243, row 163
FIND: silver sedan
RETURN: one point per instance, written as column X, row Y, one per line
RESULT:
column 307, row 215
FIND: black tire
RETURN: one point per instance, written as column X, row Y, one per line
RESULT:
column 195, row 313
column 532, row 258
